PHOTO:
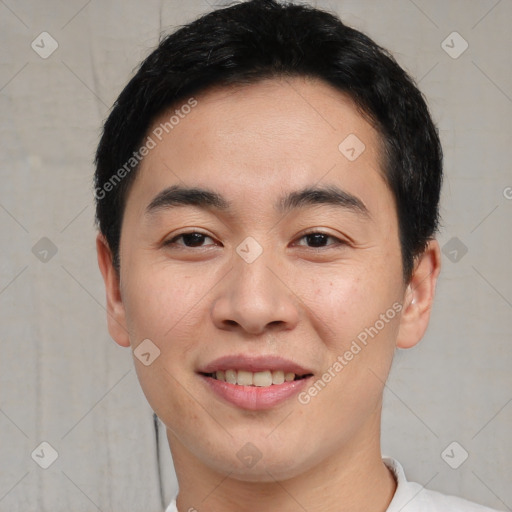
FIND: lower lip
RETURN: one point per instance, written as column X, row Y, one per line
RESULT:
column 255, row 398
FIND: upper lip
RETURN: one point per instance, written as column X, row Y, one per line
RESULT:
column 254, row 364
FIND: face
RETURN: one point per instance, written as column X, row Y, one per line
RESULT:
column 288, row 266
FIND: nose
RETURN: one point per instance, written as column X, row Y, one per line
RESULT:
column 255, row 298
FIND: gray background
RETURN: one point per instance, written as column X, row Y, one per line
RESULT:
column 63, row 381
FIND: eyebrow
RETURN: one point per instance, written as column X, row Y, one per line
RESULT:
column 331, row 195
column 327, row 195
column 187, row 196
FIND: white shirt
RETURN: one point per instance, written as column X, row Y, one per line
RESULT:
column 412, row 497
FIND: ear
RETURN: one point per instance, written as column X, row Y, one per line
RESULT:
column 116, row 317
column 419, row 297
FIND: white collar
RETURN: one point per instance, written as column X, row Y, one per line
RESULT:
column 411, row 496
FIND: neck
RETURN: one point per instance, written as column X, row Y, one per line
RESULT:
column 339, row 483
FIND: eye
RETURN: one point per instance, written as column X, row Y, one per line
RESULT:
column 317, row 239
column 189, row 239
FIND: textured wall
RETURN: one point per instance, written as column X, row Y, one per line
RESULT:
column 64, row 382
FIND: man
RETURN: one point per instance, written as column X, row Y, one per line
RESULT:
column 267, row 192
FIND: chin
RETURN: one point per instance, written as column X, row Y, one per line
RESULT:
column 263, row 469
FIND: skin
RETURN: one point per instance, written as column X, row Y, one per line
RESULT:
column 253, row 144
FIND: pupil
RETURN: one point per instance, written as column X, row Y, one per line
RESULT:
column 192, row 239
column 317, row 239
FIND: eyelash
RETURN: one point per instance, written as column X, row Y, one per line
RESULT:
column 338, row 242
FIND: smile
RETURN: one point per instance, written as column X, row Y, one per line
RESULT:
column 259, row 379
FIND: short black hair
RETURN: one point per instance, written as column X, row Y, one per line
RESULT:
column 262, row 39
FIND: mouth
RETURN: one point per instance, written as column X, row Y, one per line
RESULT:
column 254, row 382
column 262, row 379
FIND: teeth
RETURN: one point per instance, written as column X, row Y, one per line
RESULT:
column 231, row 376
column 244, row 378
column 260, row 379
column 278, row 377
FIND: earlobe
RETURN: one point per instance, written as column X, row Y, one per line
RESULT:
column 116, row 318
column 419, row 297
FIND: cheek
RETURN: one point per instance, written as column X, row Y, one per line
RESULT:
column 359, row 318
column 346, row 302
column 161, row 303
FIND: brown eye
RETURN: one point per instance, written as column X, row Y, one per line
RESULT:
column 191, row 239
column 317, row 239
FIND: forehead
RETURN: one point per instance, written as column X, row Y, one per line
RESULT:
column 253, row 142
